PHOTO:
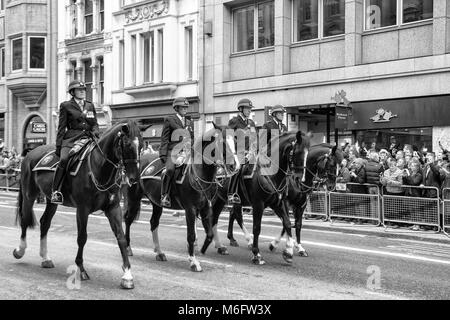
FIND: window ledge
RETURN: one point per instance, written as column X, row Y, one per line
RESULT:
column 250, row 52
column 408, row 25
column 145, row 89
column 318, row 41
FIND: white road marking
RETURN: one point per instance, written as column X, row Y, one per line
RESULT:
column 7, row 228
column 384, row 295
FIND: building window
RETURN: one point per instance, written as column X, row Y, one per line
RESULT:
column 133, row 60
column 17, row 54
column 74, row 18
column 316, row 19
column 149, row 53
column 385, row 13
column 2, row 66
column 101, row 81
column 88, row 79
column 102, row 15
column 37, row 52
column 2, row 5
column 161, row 54
column 121, row 64
column 73, row 65
column 88, row 16
column 189, row 52
column 247, row 19
column 266, row 20
column 416, row 10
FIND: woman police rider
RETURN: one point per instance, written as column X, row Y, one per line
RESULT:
column 77, row 120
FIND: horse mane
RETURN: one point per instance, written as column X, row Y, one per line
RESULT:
column 133, row 127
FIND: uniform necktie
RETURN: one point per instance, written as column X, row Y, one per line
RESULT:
column 183, row 120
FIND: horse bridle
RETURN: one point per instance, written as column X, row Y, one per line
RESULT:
column 119, row 172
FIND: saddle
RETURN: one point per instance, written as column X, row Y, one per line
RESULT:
column 77, row 155
column 156, row 169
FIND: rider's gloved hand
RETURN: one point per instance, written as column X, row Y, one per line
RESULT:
column 58, row 152
column 163, row 159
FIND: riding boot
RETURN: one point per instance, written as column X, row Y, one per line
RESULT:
column 165, row 192
column 233, row 196
column 57, row 196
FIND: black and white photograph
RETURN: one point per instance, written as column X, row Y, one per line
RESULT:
column 224, row 155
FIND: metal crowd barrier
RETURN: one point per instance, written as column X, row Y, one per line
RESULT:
column 348, row 203
column 317, row 204
column 446, row 210
column 10, row 182
column 423, row 210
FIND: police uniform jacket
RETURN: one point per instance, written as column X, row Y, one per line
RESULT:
column 75, row 123
column 238, row 123
column 172, row 123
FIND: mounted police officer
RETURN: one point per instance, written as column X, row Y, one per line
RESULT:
column 243, row 127
column 173, row 122
column 77, row 120
column 276, row 123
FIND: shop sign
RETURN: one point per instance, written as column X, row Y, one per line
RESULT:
column 36, row 141
column 39, row 127
column 383, row 116
column 341, row 118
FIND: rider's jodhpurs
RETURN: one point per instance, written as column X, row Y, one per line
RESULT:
column 168, row 176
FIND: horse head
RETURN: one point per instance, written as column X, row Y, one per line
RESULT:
column 126, row 141
column 296, row 150
column 328, row 165
column 214, row 149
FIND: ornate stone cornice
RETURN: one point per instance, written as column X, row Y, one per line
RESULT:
column 147, row 11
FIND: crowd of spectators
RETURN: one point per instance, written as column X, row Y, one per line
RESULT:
column 390, row 170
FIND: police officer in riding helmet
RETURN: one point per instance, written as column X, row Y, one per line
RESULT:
column 77, row 120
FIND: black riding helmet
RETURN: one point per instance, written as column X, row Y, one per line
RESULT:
column 75, row 84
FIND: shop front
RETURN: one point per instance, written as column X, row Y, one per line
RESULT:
column 35, row 133
column 412, row 121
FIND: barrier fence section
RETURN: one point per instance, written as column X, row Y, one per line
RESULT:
column 446, row 210
column 317, row 204
column 360, row 201
column 10, row 181
column 423, row 209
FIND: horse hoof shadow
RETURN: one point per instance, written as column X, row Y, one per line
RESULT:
column 234, row 243
column 84, row 276
column 258, row 260
column 303, row 254
column 272, row 248
column 47, row 264
column 223, row 251
column 195, row 268
column 161, row 257
column 288, row 257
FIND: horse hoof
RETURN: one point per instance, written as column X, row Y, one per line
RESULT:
column 223, row 251
column 84, row 276
column 250, row 246
column 127, row 284
column 47, row 264
column 161, row 257
column 258, row 260
column 272, row 248
column 303, row 254
column 287, row 256
column 129, row 252
column 234, row 243
column 196, row 268
column 17, row 255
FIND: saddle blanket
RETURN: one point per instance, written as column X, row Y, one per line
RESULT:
column 50, row 161
column 155, row 169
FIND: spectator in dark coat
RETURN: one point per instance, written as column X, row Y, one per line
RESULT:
column 358, row 175
column 373, row 171
column 344, row 173
column 413, row 177
column 431, row 176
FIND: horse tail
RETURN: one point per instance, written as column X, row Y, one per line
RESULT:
column 133, row 196
column 24, row 216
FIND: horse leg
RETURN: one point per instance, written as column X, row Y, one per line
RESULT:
column 132, row 202
column 82, row 220
column 288, row 253
column 190, row 222
column 154, row 226
column 274, row 244
column 25, row 217
column 258, row 210
column 206, row 215
column 216, row 211
column 231, row 219
column 240, row 220
column 46, row 221
column 298, row 228
column 114, row 216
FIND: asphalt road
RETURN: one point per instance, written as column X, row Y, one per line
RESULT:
column 339, row 266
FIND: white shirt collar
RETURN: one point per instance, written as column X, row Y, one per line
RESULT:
column 243, row 118
column 180, row 117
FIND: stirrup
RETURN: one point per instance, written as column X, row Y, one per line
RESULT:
column 57, row 197
column 234, row 199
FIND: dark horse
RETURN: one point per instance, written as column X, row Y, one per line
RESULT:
column 266, row 189
column 322, row 164
column 194, row 194
column 95, row 187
